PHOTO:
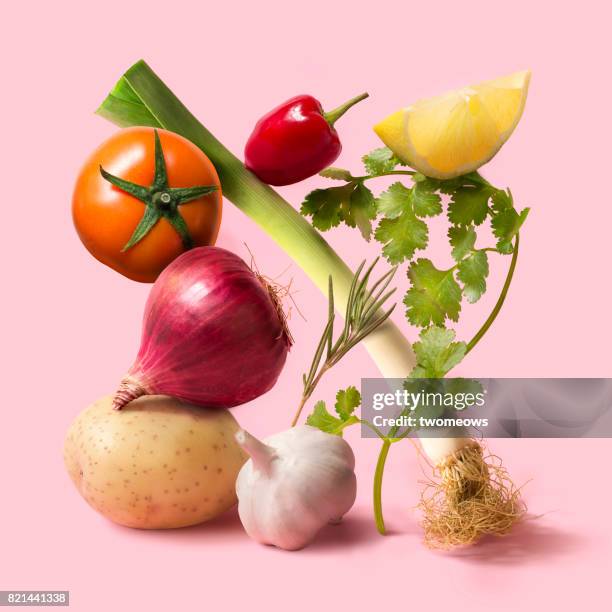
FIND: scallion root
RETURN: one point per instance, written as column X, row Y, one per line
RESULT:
column 472, row 496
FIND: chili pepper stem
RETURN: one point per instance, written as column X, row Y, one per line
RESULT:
column 332, row 116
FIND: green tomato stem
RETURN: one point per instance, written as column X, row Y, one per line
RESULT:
column 160, row 200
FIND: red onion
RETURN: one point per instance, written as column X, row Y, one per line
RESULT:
column 213, row 334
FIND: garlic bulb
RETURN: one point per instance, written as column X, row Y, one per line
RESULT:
column 295, row 483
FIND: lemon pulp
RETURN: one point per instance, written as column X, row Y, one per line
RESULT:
column 459, row 131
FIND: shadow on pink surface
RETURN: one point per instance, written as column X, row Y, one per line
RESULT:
column 356, row 529
column 532, row 541
column 529, row 541
column 225, row 528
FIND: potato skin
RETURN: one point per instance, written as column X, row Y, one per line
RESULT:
column 158, row 463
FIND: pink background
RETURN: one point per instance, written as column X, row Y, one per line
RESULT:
column 70, row 327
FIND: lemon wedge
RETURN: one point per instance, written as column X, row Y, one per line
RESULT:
column 459, row 131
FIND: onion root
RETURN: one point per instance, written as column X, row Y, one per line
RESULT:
column 277, row 293
column 472, row 496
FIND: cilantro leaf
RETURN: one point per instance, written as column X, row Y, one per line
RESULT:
column 361, row 210
column 452, row 391
column 402, row 232
column 461, row 386
column 422, row 197
column 469, row 204
column 506, row 225
column 434, row 295
column 380, row 160
column 462, row 239
column 394, row 201
column 425, row 201
column 323, row 420
column 436, row 353
column 472, row 272
column 424, row 385
column 337, row 174
column 401, row 236
column 346, row 401
column 323, row 205
column 352, row 203
column 502, row 200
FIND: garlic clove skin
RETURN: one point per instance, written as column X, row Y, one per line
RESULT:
column 296, row 482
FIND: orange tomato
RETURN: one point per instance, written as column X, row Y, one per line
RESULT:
column 106, row 216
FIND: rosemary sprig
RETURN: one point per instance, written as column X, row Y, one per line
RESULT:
column 363, row 315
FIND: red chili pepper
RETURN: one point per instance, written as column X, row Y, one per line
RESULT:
column 295, row 140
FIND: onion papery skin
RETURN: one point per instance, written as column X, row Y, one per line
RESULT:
column 212, row 334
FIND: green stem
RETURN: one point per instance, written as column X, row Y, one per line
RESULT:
column 367, row 177
column 296, row 416
column 378, row 479
column 372, row 427
column 332, row 116
column 308, row 392
column 500, row 301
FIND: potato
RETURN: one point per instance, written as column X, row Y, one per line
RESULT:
column 158, row 463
